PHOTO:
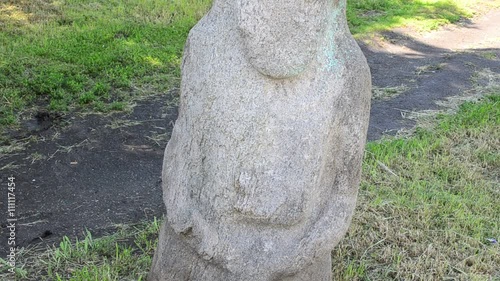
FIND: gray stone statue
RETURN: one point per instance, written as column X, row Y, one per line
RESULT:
column 261, row 174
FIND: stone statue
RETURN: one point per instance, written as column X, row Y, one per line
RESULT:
column 261, row 174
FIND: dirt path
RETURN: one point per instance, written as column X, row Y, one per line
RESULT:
column 98, row 171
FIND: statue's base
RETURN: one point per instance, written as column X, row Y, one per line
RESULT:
column 174, row 260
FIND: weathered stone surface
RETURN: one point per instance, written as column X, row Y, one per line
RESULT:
column 260, row 176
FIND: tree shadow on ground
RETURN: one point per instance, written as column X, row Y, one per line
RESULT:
column 369, row 16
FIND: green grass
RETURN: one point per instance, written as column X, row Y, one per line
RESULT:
column 125, row 255
column 367, row 16
column 89, row 54
column 427, row 205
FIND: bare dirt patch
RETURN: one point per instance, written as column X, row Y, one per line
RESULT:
column 88, row 172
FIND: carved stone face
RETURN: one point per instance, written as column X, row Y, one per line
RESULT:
column 280, row 37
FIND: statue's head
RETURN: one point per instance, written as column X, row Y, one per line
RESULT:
column 281, row 37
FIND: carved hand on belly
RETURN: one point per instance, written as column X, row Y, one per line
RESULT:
column 267, row 200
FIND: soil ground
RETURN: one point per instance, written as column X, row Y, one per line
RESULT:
column 77, row 172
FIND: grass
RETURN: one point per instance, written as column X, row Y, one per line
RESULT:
column 99, row 55
column 125, row 255
column 89, row 54
column 387, row 92
column 429, row 203
column 368, row 16
column 427, row 210
column 431, row 68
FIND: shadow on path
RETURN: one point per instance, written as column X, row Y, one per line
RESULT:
column 428, row 74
